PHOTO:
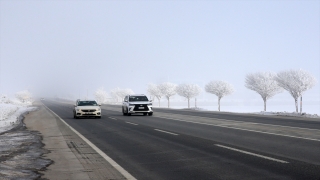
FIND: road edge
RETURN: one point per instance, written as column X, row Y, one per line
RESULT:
column 122, row 171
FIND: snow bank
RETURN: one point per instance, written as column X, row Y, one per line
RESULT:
column 251, row 110
column 294, row 114
column 9, row 115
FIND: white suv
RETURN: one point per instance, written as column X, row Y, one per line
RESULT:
column 137, row 103
column 86, row 108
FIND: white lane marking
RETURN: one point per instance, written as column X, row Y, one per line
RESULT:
column 253, row 154
column 112, row 118
column 241, row 129
column 131, row 123
column 166, row 132
column 125, row 173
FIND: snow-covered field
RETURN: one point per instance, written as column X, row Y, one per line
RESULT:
column 9, row 115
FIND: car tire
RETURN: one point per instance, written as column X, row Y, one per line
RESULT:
column 145, row 114
column 128, row 114
column 74, row 116
column 99, row 117
column 123, row 113
column 150, row 114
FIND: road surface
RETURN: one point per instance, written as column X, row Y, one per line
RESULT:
column 185, row 144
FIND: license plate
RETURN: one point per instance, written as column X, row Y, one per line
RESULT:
column 88, row 113
column 141, row 107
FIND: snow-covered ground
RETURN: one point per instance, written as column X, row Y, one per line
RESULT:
column 21, row 150
column 308, row 111
column 9, row 115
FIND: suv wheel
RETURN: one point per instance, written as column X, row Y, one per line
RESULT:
column 123, row 112
column 150, row 114
column 129, row 114
column 145, row 114
column 74, row 116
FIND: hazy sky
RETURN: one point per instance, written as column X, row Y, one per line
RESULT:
column 71, row 47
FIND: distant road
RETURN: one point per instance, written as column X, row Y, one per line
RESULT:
column 183, row 144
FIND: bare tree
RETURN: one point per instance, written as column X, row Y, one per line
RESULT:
column 263, row 83
column 155, row 91
column 101, row 96
column 168, row 89
column 296, row 82
column 188, row 91
column 220, row 89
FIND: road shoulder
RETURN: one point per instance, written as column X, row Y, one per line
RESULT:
column 73, row 158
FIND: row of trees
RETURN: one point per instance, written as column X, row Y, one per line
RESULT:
column 21, row 97
column 266, row 84
column 117, row 94
column 167, row 89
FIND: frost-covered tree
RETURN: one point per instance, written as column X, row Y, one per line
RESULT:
column 125, row 92
column 168, row 89
column 188, row 91
column 119, row 94
column 24, row 96
column 155, row 91
column 220, row 89
column 4, row 98
column 296, row 82
column 101, row 96
column 263, row 83
column 114, row 93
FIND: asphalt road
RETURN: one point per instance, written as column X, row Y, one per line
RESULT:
column 182, row 144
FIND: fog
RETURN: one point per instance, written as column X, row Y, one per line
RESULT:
column 71, row 48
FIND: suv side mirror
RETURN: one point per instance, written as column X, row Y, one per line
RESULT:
column 150, row 101
column 75, row 105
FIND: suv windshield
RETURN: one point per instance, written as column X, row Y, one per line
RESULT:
column 87, row 103
column 138, row 98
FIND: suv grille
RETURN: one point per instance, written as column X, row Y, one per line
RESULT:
column 140, row 107
column 88, row 110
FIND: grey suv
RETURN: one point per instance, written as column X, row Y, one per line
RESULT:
column 137, row 103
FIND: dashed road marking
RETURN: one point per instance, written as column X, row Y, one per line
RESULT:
column 253, row 154
column 112, row 118
column 132, row 123
column 166, row 132
column 242, row 129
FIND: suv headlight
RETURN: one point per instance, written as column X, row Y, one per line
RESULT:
column 98, row 109
column 77, row 109
column 150, row 104
column 131, row 104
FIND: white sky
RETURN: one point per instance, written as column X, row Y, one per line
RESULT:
column 71, row 47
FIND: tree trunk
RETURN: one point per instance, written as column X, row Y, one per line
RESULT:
column 301, row 104
column 265, row 104
column 195, row 102
column 188, row 102
column 219, row 103
column 296, row 103
column 159, row 101
column 168, row 102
